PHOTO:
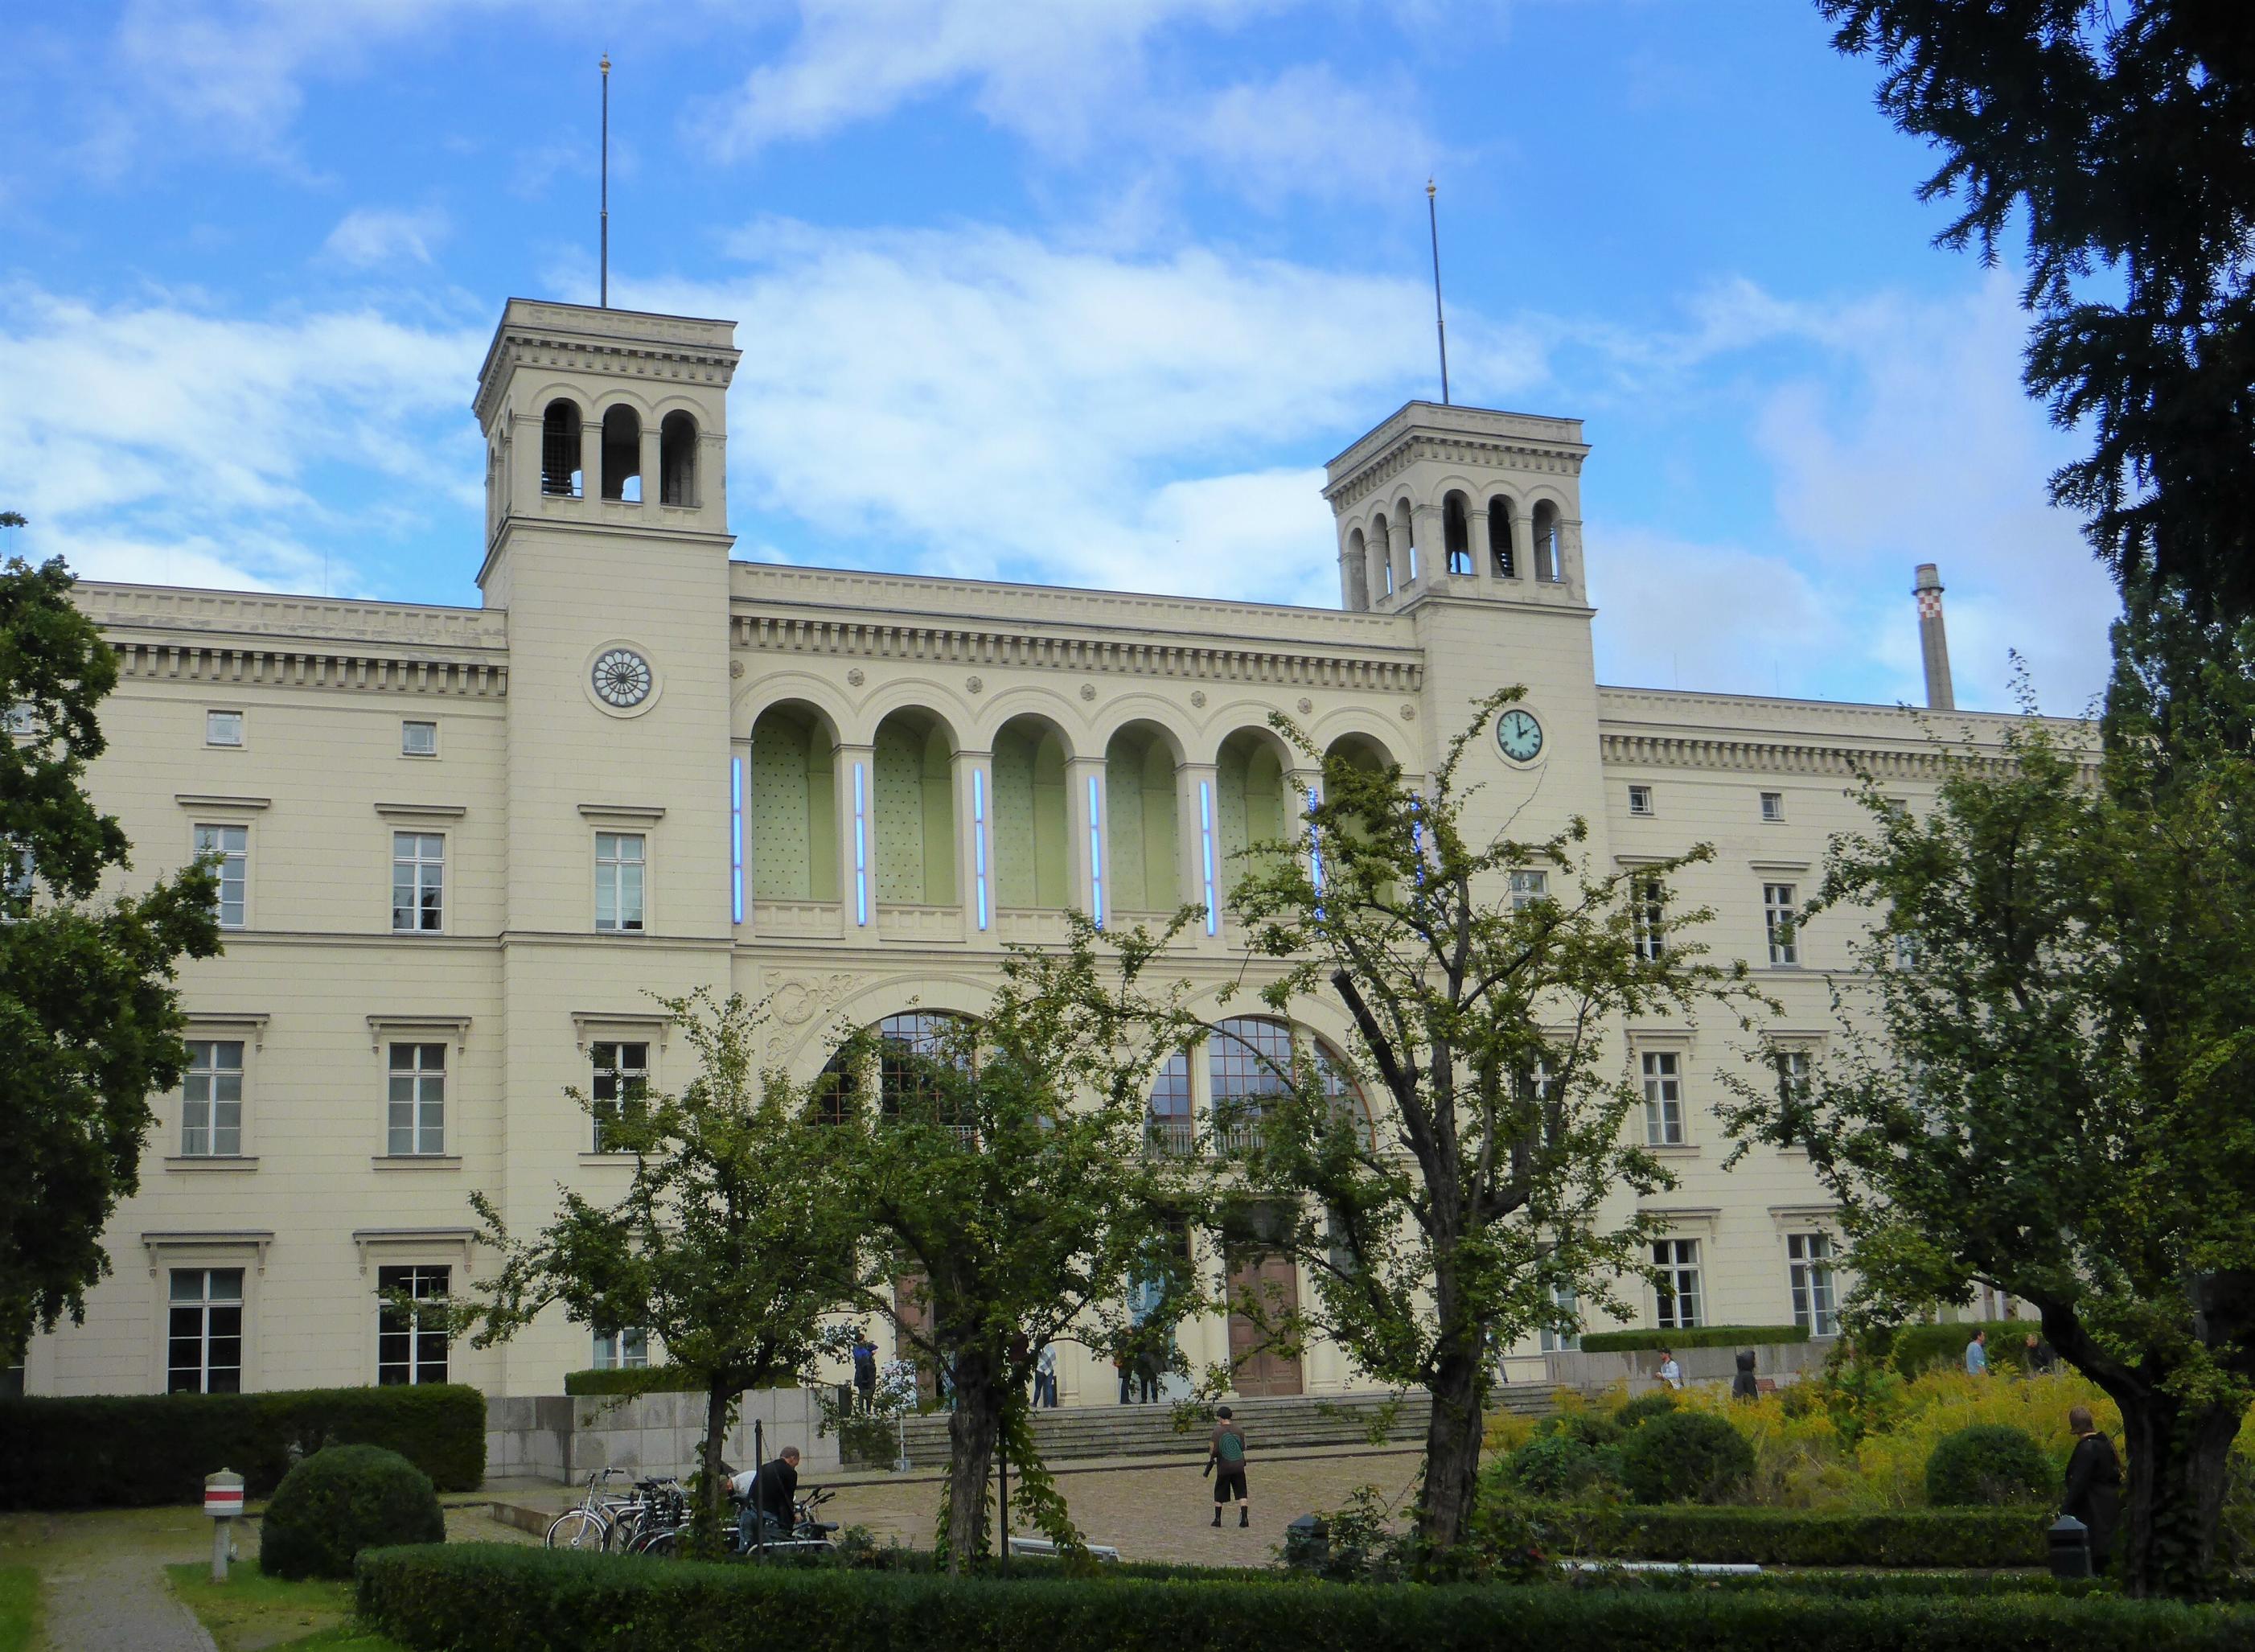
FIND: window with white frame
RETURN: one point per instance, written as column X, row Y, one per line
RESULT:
column 203, row 1331
column 1773, row 806
column 621, row 1077
column 410, row 1339
column 211, row 1100
column 621, row 1350
column 620, row 860
column 1569, row 1342
column 1663, row 1098
column 21, row 717
column 1640, row 799
column 228, row 848
column 1675, row 1277
column 1809, row 1266
column 419, row 740
column 15, row 880
column 418, row 1100
column 1779, row 924
column 1791, row 1067
column 419, row 882
column 1649, row 908
column 1526, row 888
column 222, row 729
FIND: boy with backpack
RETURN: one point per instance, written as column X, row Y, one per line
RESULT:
column 1226, row 1451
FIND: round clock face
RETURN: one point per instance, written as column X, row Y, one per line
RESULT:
column 622, row 678
column 1519, row 736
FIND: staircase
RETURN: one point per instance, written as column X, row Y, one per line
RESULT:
column 1271, row 1425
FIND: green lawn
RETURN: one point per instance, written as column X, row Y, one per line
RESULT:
column 253, row 1612
column 19, row 1607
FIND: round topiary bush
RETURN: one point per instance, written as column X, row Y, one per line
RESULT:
column 1685, row 1456
column 340, row 1501
column 1987, row 1463
column 1644, row 1407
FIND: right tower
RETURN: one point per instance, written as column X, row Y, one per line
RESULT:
column 1460, row 500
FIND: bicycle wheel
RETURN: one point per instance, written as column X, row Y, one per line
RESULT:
column 664, row 1545
column 578, row 1529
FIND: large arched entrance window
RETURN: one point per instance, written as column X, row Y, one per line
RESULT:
column 1170, row 1124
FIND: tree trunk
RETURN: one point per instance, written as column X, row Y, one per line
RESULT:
column 971, row 1435
column 719, row 1399
column 1452, row 1448
column 2178, row 1467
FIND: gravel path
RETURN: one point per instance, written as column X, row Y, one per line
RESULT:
column 95, row 1602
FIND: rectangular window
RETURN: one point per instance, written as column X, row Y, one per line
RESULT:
column 15, row 880
column 1526, row 888
column 1663, row 1098
column 1809, row 1264
column 418, row 1100
column 1648, row 907
column 203, row 1331
column 21, row 718
column 1675, row 1268
column 621, row 1075
column 621, row 1350
column 222, row 729
column 230, row 846
column 419, row 740
column 1773, row 806
column 1571, row 1341
column 410, row 1340
column 211, row 1099
column 1777, row 921
column 1791, row 1073
column 419, row 882
column 1640, row 799
column 619, row 864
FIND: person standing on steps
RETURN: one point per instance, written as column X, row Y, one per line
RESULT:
column 865, row 1371
column 1225, row 1451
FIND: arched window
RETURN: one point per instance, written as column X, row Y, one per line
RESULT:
column 559, row 449
column 1171, row 1127
column 1549, row 565
column 622, row 454
column 676, row 460
column 1500, row 511
column 923, row 1057
column 1382, row 545
column 1349, row 1108
column 1248, row 1061
column 1456, row 533
column 835, row 1092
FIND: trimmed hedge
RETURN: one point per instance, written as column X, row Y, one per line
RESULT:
column 340, row 1501
column 1943, row 1538
column 1685, row 1456
column 130, row 1450
column 507, row 1598
column 1698, row 1337
column 1911, row 1349
column 645, row 1379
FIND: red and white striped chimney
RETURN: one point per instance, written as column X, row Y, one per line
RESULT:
column 1933, row 640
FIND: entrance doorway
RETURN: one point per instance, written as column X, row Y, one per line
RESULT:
column 1274, row 1282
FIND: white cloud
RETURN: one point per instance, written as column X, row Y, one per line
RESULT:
column 371, row 236
column 226, row 449
column 1307, row 132
column 1719, row 618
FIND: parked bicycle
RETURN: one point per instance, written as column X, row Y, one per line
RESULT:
column 589, row 1527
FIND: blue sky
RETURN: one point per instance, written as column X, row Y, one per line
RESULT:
column 1068, row 291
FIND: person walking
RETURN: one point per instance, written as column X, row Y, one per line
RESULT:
column 1743, row 1385
column 1977, row 1355
column 1670, row 1373
column 1226, row 1453
column 1046, row 1376
column 2094, row 1485
column 865, row 1371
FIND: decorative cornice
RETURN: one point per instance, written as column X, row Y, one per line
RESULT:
column 1518, row 458
column 300, row 620
column 615, row 343
column 1841, row 760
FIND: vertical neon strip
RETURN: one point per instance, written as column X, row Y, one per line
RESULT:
column 1205, row 848
column 736, row 836
column 978, row 839
column 1096, row 850
column 861, row 850
column 1314, row 842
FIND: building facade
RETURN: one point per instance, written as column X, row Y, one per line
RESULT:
column 463, row 850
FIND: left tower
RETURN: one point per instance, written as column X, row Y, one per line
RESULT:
column 607, row 542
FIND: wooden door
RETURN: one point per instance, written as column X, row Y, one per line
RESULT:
column 912, row 1312
column 1274, row 1284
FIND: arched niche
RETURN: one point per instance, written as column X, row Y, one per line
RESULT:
column 1031, row 869
column 1249, row 802
column 1140, row 828
column 792, row 811
column 913, row 810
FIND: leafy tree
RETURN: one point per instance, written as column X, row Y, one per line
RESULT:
column 1001, row 1171
column 2121, row 128
column 729, row 1245
column 2046, row 1083
column 88, row 1017
column 1490, row 1032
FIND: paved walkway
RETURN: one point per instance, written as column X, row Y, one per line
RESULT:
column 103, row 1580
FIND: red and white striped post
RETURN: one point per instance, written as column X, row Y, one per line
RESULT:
column 222, row 1501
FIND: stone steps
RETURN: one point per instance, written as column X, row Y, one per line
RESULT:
column 1271, row 1424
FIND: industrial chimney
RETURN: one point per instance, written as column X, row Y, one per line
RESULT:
column 1933, row 640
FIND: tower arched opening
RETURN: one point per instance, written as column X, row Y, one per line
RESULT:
column 561, row 476
column 1456, row 531
column 1549, row 560
column 676, row 460
column 1501, row 557
column 622, row 454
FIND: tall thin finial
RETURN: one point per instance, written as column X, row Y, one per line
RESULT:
column 1440, row 323
column 603, row 257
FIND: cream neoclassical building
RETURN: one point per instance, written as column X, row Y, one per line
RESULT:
column 463, row 847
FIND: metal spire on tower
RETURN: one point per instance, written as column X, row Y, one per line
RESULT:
column 1440, row 325
column 603, row 255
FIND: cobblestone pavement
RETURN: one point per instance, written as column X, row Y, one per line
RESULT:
column 1158, row 1512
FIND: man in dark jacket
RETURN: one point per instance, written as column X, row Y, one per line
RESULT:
column 2094, row 1485
column 1743, row 1385
column 771, row 1491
